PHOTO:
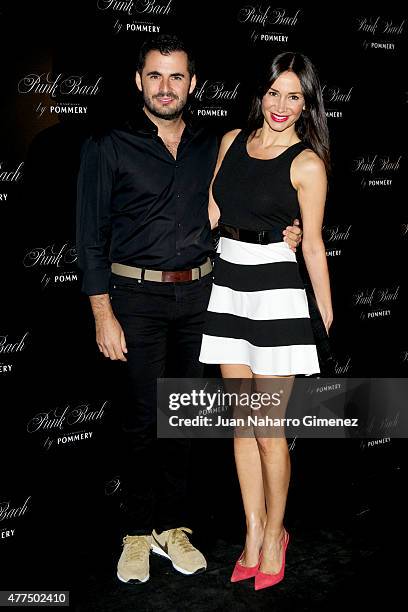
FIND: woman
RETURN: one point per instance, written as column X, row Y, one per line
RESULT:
column 258, row 323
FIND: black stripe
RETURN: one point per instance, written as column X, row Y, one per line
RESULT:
column 260, row 277
column 276, row 332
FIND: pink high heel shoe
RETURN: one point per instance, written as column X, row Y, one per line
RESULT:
column 241, row 572
column 262, row 580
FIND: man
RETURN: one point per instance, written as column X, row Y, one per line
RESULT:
column 144, row 243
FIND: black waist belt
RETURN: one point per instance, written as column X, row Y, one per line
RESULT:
column 256, row 237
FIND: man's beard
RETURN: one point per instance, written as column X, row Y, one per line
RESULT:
column 169, row 115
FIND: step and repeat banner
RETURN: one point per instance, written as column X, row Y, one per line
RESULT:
column 68, row 69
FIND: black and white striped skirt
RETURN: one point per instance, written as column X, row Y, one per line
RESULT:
column 258, row 313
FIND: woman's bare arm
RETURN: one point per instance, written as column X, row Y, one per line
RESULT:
column 226, row 142
column 311, row 183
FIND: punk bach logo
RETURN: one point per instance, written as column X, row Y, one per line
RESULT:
column 9, row 347
column 9, row 176
column 141, row 10
column 342, row 366
column 57, row 423
column 336, row 232
column 376, row 170
column 50, row 256
column 333, row 235
column 258, row 15
column 58, row 87
column 380, row 32
column 335, row 98
column 136, row 7
column 375, row 303
column 268, row 24
column 364, row 444
column 214, row 98
column 10, row 511
column 53, row 262
column 45, row 83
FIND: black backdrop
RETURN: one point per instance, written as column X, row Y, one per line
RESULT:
column 60, row 493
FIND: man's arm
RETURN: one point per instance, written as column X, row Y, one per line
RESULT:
column 293, row 235
column 109, row 334
column 93, row 230
column 93, row 221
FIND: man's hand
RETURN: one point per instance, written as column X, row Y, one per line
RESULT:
column 293, row 235
column 109, row 333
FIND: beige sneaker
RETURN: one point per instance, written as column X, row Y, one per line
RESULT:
column 175, row 545
column 133, row 564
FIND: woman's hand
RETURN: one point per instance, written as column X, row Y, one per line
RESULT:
column 213, row 213
column 327, row 317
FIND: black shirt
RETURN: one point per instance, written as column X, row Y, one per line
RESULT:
column 139, row 206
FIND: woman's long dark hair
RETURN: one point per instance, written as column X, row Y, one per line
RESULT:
column 311, row 127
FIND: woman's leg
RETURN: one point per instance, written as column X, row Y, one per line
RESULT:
column 249, row 471
column 275, row 462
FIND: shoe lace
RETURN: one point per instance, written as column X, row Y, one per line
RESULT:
column 179, row 537
column 135, row 547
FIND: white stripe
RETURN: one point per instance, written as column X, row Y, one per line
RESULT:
column 248, row 254
column 260, row 305
column 275, row 360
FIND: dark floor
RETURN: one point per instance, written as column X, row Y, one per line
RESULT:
column 346, row 526
column 345, row 533
column 170, row 590
column 326, row 570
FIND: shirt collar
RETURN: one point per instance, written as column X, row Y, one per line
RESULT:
column 140, row 122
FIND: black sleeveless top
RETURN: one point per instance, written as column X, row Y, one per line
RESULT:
column 256, row 194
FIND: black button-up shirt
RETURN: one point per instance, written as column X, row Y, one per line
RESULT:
column 139, row 206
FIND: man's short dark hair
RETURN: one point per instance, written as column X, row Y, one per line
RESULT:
column 166, row 44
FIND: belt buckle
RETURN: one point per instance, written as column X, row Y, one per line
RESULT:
column 262, row 237
column 180, row 275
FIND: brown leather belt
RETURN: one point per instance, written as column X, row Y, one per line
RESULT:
column 163, row 276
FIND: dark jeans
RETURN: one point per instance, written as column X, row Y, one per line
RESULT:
column 163, row 324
